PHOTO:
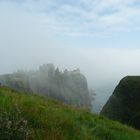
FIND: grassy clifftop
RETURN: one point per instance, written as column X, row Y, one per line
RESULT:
column 26, row 116
column 124, row 104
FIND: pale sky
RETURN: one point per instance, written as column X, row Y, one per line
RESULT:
column 101, row 37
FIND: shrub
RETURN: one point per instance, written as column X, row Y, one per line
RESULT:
column 13, row 126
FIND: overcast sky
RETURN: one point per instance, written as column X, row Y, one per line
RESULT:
column 101, row 37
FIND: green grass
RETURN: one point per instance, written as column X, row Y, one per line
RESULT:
column 48, row 119
column 124, row 104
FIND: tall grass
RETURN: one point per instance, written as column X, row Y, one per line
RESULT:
column 43, row 118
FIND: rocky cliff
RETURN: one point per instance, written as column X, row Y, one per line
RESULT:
column 68, row 86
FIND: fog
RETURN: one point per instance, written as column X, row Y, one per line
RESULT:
column 27, row 42
column 102, row 67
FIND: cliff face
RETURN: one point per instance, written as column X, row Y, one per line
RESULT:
column 68, row 86
column 124, row 104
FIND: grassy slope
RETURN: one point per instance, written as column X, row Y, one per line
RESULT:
column 51, row 120
column 124, row 104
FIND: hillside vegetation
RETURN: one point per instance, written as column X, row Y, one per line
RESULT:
column 28, row 116
column 124, row 104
